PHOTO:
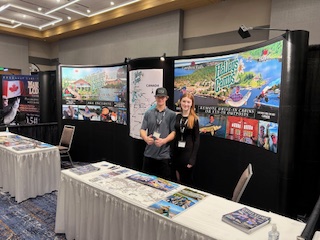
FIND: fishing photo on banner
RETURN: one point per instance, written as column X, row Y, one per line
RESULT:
column 234, row 93
column 94, row 93
column 20, row 99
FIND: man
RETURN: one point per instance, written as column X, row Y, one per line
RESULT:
column 274, row 144
column 208, row 124
column 236, row 96
column 211, row 120
column 157, row 130
column 183, row 90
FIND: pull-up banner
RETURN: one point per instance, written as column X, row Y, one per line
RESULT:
column 20, row 99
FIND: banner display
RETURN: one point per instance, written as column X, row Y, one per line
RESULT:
column 94, row 93
column 142, row 88
column 20, row 96
column 236, row 94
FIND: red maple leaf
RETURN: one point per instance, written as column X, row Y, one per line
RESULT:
column 13, row 88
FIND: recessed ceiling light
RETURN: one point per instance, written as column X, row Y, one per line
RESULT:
column 111, row 3
column 39, row 9
column 69, row 18
column 88, row 11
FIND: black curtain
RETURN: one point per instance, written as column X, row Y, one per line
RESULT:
column 308, row 162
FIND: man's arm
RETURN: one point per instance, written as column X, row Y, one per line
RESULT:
column 161, row 141
column 148, row 139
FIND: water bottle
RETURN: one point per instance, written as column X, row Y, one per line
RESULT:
column 273, row 234
column 7, row 129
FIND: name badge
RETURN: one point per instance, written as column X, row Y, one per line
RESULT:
column 156, row 134
column 181, row 144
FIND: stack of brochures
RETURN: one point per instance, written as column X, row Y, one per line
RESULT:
column 246, row 220
column 177, row 202
column 24, row 147
column 153, row 181
column 84, row 169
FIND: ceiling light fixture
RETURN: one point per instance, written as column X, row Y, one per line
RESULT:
column 118, row 6
column 9, row 7
column 77, row 12
column 63, row 6
column 37, row 18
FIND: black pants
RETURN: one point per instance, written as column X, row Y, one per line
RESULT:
column 186, row 175
column 157, row 167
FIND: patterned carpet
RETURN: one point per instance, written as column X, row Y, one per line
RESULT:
column 32, row 219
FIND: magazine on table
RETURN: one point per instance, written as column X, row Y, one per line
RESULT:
column 193, row 194
column 44, row 145
column 246, row 220
column 153, row 181
column 166, row 209
column 24, row 147
column 176, row 203
column 84, row 169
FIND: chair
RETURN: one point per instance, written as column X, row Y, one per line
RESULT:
column 242, row 183
column 66, row 141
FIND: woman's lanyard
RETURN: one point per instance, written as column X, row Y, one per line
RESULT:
column 181, row 143
column 183, row 127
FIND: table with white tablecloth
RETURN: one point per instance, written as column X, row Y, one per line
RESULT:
column 88, row 210
column 29, row 173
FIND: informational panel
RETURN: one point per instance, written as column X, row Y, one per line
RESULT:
column 237, row 96
column 142, row 88
column 94, row 93
column 20, row 99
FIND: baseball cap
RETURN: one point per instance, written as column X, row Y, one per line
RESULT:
column 161, row 92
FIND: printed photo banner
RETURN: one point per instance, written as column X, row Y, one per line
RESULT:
column 142, row 88
column 20, row 96
column 235, row 94
column 94, row 93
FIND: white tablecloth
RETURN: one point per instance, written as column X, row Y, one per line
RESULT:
column 316, row 235
column 86, row 210
column 29, row 173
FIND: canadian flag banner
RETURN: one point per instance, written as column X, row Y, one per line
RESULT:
column 13, row 88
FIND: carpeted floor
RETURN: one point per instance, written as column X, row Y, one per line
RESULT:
column 32, row 219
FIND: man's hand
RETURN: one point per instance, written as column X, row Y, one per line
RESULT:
column 149, row 140
column 159, row 142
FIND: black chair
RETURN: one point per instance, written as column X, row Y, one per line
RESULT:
column 66, row 141
column 242, row 183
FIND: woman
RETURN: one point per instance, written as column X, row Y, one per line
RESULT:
column 186, row 142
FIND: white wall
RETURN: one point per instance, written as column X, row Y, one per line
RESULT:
column 222, row 21
column 143, row 38
column 14, row 53
column 226, row 16
column 208, row 29
column 297, row 15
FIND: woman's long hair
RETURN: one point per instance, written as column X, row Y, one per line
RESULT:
column 192, row 115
